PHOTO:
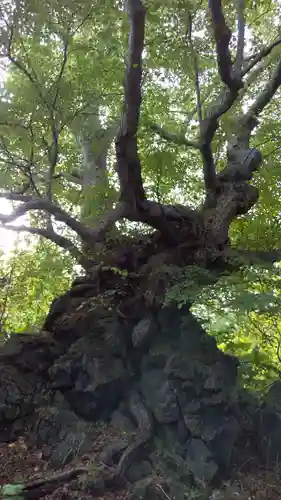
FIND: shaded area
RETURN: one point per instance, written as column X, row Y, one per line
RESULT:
column 149, row 398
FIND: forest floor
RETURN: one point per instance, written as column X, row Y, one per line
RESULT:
column 19, row 464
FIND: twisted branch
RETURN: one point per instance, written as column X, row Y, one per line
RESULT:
column 128, row 162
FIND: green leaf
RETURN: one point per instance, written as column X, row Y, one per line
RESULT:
column 13, row 491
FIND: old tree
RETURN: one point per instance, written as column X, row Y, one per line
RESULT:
column 141, row 138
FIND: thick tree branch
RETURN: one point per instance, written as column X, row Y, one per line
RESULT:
column 207, row 131
column 53, row 149
column 261, row 55
column 16, row 196
column 159, row 216
column 50, row 235
column 174, row 138
column 254, row 257
column 241, row 37
column 222, row 36
column 253, row 76
column 249, row 120
column 128, row 163
column 85, row 232
column 196, row 69
column 120, row 211
column 209, row 168
column 266, row 95
column 233, row 81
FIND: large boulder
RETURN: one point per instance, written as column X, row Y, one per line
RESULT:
column 199, row 461
column 24, row 362
column 92, row 380
column 31, row 352
column 160, row 396
column 62, row 435
column 268, row 426
column 95, row 357
column 16, row 394
column 188, row 385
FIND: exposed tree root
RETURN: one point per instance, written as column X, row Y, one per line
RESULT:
column 111, row 477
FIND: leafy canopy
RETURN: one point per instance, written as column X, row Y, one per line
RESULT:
column 60, row 106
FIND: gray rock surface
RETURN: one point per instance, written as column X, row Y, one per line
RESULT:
column 92, row 380
column 62, row 435
column 200, row 461
column 84, row 369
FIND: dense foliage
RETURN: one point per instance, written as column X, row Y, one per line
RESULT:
column 60, row 106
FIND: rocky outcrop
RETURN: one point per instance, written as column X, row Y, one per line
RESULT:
column 156, row 378
column 267, row 421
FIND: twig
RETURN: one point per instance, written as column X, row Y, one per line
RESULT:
column 62, row 69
